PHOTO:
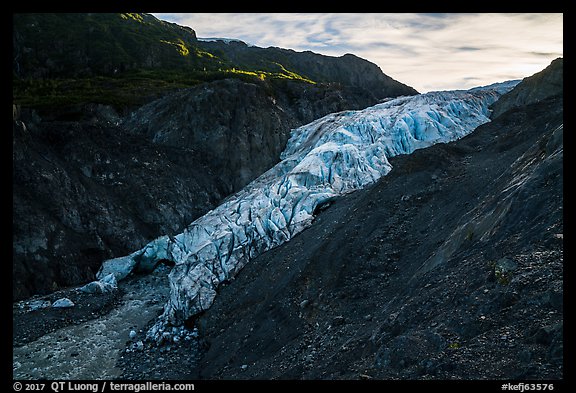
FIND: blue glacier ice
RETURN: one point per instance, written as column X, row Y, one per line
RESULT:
column 329, row 157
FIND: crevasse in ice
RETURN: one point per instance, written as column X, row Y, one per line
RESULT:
column 328, row 157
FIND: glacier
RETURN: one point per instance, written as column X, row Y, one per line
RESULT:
column 327, row 158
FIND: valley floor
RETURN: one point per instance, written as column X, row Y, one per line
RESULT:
column 87, row 340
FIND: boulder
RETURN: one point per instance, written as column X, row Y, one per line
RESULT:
column 63, row 303
column 106, row 284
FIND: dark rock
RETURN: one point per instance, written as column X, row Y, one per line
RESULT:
column 554, row 143
column 540, row 86
column 556, row 349
column 338, row 321
column 505, row 265
column 408, row 350
column 65, row 223
column 525, row 356
column 546, row 334
column 507, row 299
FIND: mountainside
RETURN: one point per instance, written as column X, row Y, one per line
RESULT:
column 544, row 84
column 243, row 138
column 82, row 193
column 448, row 267
column 75, row 44
column 451, row 266
column 125, row 129
column 347, row 70
column 128, row 59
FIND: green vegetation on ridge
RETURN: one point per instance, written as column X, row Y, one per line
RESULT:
column 115, row 59
column 125, row 90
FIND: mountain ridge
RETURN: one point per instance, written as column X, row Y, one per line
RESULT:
column 126, row 59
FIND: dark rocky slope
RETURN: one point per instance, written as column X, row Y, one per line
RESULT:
column 241, row 127
column 86, row 191
column 449, row 267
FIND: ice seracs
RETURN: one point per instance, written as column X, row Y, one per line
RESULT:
column 329, row 157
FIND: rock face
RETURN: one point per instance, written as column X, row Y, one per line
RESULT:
column 449, row 267
column 324, row 159
column 82, row 193
column 241, row 127
column 544, row 84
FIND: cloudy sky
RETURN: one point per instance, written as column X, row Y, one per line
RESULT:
column 426, row 51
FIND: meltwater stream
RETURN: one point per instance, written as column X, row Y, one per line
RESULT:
column 90, row 350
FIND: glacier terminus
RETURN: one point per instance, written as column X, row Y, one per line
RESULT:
column 327, row 158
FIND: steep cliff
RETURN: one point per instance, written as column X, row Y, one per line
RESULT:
column 82, row 191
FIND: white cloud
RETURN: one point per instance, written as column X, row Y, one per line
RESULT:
column 426, row 51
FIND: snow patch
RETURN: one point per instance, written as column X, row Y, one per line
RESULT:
column 225, row 40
